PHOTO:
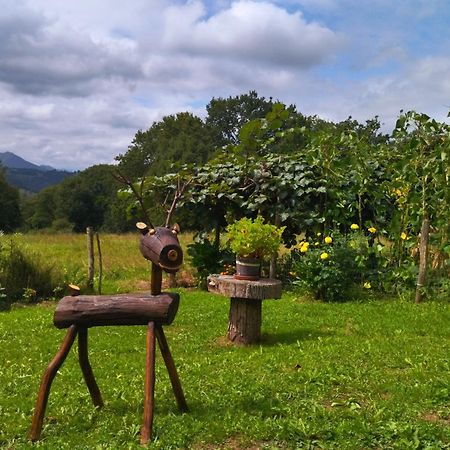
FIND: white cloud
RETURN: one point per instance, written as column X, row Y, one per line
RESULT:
column 78, row 78
column 248, row 31
column 39, row 57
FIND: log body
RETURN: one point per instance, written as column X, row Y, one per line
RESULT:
column 125, row 309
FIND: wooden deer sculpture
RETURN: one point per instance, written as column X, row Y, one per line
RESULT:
column 78, row 313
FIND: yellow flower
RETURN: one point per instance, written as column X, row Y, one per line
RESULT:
column 324, row 256
column 403, row 235
column 304, row 248
column 319, row 234
column 372, row 230
column 354, row 226
column 367, row 285
column 328, row 240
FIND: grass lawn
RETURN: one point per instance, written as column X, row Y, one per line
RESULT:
column 124, row 268
column 326, row 376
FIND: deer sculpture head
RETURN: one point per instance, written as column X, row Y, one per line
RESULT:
column 160, row 245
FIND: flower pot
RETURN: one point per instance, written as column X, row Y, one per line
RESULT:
column 247, row 268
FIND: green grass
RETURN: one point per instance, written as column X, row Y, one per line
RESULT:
column 124, row 268
column 372, row 375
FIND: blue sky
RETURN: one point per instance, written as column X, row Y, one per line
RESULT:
column 79, row 78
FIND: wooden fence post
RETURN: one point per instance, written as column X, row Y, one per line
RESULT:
column 423, row 258
column 90, row 246
column 100, row 264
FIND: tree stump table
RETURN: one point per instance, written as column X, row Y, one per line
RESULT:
column 244, row 325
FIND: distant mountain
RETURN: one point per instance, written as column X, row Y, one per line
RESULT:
column 28, row 176
column 12, row 161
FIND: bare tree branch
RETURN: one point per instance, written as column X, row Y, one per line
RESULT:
column 121, row 178
column 177, row 195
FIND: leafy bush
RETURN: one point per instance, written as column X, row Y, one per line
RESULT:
column 23, row 276
column 207, row 258
column 253, row 238
column 329, row 266
column 325, row 267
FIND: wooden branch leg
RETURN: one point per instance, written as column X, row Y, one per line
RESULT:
column 173, row 375
column 46, row 383
column 86, row 368
column 149, row 397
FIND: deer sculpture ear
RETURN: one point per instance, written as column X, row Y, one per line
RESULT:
column 176, row 229
column 142, row 227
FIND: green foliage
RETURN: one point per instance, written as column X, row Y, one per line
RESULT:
column 35, row 180
column 206, row 258
column 226, row 116
column 253, row 238
column 419, row 182
column 23, row 275
column 326, row 266
column 10, row 215
column 88, row 198
column 290, row 174
column 175, row 140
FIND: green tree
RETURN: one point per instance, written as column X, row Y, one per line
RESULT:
column 10, row 216
column 88, row 198
column 226, row 116
column 420, row 185
column 175, row 140
column 40, row 209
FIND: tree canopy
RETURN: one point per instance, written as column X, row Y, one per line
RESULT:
column 175, row 140
column 226, row 116
column 89, row 198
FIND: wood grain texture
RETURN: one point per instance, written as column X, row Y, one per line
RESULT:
column 46, row 383
column 227, row 285
column 171, row 369
column 162, row 248
column 156, row 279
column 149, row 388
column 88, row 374
column 244, row 326
column 125, row 309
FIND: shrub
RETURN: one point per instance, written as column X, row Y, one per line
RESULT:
column 360, row 257
column 253, row 238
column 207, row 258
column 325, row 267
column 23, row 276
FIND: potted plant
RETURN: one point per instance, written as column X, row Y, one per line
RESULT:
column 252, row 241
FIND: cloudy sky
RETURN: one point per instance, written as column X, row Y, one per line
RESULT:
column 78, row 78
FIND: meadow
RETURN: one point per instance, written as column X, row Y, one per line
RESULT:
column 371, row 374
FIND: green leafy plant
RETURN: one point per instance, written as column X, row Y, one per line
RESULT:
column 207, row 258
column 23, row 276
column 326, row 266
column 253, row 238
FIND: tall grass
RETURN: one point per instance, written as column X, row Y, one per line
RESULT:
column 23, row 274
column 64, row 257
